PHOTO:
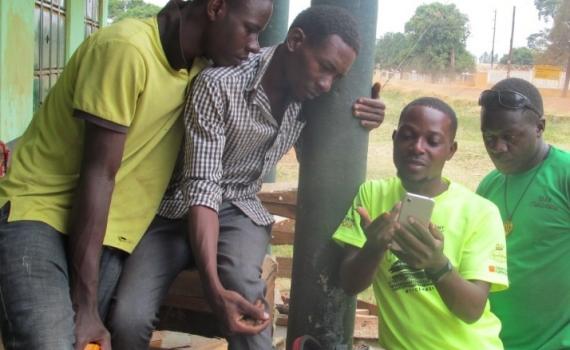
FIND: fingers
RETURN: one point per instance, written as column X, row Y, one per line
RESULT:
column 375, row 90
column 368, row 125
column 420, row 232
column 435, row 232
column 369, row 109
column 249, row 327
column 364, row 217
column 251, row 318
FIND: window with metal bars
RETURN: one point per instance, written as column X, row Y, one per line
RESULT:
column 49, row 55
column 92, row 16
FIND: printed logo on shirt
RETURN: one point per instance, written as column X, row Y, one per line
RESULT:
column 544, row 202
column 409, row 279
column 347, row 222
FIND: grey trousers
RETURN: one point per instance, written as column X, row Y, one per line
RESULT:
column 151, row 269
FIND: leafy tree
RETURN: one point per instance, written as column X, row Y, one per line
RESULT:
column 391, row 50
column 440, row 32
column 557, row 39
column 119, row 9
column 521, row 56
column 486, row 57
column 538, row 41
column 547, row 8
column 560, row 39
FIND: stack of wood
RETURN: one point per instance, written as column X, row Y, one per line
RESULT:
column 162, row 340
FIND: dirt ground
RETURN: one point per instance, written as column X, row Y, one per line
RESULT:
column 552, row 104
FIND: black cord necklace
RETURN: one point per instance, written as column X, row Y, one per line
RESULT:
column 508, row 223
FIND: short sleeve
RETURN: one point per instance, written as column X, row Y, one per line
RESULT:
column 349, row 231
column 485, row 253
column 110, row 78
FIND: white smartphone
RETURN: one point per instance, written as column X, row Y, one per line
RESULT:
column 416, row 206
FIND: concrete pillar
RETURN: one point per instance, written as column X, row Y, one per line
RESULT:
column 333, row 165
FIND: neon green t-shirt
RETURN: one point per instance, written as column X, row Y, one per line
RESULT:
column 411, row 312
column 535, row 310
column 121, row 75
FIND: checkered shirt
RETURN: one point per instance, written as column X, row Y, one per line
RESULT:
column 231, row 141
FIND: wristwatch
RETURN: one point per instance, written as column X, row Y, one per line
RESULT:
column 439, row 274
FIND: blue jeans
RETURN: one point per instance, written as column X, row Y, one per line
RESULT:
column 35, row 303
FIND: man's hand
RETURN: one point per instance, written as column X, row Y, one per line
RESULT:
column 370, row 111
column 90, row 329
column 420, row 247
column 239, row 316
column 380, row 232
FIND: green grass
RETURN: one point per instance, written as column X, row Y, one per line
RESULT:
column 468, row 167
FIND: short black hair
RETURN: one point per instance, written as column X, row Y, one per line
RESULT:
column 437, row 104
column 320, row 21
column 523, row 87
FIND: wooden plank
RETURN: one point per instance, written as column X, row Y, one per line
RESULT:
column 362, row 312
column 281, row 320
column 279, row 199
column 372, row 308
column 283, row 232
column 183, row 341
column 285, row 210
column 366, row 327
column 284, row 267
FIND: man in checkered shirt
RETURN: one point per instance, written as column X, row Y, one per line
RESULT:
column 239, row 122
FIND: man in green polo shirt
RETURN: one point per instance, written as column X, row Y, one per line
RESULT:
column 531, row 187
column 88, row 174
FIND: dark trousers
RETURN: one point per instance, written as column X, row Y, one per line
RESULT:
column 148, row 273
column 36, row 310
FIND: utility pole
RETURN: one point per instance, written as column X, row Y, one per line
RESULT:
column 493, row 44
column 511, row 46
column 333, row 165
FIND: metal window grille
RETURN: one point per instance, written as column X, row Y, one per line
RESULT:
column 92, row 15
column 49, row 55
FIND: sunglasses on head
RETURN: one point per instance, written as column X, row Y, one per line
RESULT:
column 507, row 99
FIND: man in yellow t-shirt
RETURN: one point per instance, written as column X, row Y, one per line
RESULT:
column 88, row 174
column 432, row 281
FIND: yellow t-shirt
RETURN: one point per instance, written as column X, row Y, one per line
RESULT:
column 411, row 312
column 119, row 74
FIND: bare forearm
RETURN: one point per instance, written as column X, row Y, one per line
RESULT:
column 102, row 156
column 87, row 230
column 203, row 230
column 465, row 299
column 359, row 267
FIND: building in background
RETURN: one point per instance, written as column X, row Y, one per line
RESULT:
column 37, row 37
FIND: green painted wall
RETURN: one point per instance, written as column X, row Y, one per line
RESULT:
column 16, row 66
column 74, row 25
column 17, row 58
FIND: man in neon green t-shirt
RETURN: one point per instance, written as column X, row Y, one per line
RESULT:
column 88, row 174
column 531, row 187
column 431, row 282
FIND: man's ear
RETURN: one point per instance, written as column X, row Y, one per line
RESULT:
column 452, row 150
column 295, row 38
column 394, row 134
column 216, row 9
column 541, row 126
